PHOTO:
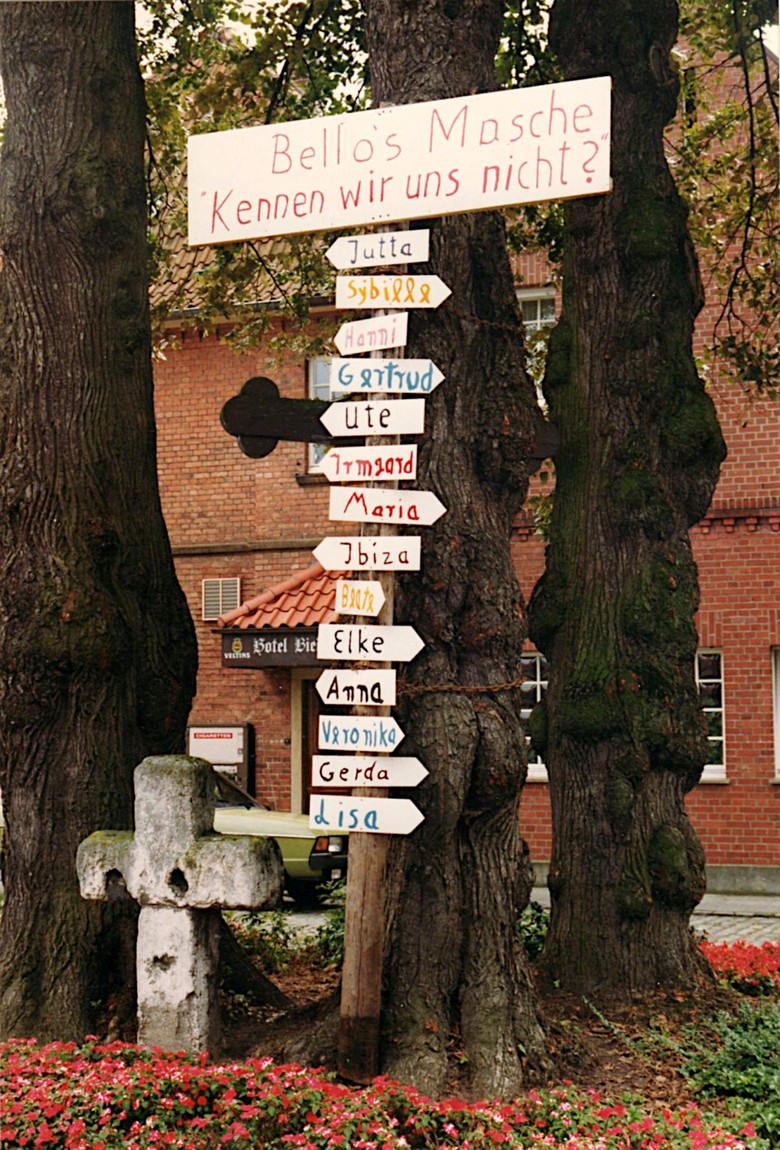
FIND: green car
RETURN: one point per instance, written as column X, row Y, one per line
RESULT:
column 310, row 860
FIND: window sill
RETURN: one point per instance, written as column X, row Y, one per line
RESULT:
column 311, row 479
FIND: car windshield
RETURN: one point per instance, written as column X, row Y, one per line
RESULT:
column 229, row 794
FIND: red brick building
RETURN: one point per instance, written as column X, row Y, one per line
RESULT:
column 243, row 530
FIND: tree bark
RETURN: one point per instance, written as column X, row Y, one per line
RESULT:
column 621, row 729
column 454, row 971
column 97, row 652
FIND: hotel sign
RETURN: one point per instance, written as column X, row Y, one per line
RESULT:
column 271, row 647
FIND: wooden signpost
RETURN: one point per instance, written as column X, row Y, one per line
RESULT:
column 468, row 153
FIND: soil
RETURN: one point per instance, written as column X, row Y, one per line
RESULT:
column 604, row 1043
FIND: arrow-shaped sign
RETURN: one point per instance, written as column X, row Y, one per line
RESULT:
column 376, row 417
column 399, row 291
column 359, row 733
column 365, row 641
column 385, row 375
column 363, row 771
column 368, row 688
column 393, row 461
column 355, row 813
column 369, row 553
column 375, row 249
column 372, row 334
column 359, row 597
column 374, row 505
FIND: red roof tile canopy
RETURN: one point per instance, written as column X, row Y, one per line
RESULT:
column 304, row 600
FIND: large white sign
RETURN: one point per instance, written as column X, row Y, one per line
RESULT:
column 384, row 375
column 375, row 505
column 356, row 813
column 363, row 771
column 465, row 154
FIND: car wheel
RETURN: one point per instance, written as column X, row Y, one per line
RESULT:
column 306, row 895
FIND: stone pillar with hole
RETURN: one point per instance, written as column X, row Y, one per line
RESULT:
column 181, row 872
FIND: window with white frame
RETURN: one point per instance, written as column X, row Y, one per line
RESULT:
column 534, row 668
column 537, row 306
column 318, row 388
column 709, row 680
column 219, row 596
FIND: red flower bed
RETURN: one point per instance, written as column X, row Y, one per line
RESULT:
column 749, row 967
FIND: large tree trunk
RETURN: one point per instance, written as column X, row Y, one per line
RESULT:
column 457, row 885
column 622, row 730
column 97, row 654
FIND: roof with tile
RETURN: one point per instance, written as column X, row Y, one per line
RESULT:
column 303, row 600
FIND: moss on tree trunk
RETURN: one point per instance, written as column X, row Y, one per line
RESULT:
column 621, row 729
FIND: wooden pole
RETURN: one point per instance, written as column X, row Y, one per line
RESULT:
column 364, row 926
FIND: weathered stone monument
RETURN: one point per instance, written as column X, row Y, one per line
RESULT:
column 181, row 871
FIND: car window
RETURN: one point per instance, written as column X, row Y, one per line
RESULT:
column 229, row 794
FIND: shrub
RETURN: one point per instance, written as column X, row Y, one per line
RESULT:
column 532, row 929
column 748, row 967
